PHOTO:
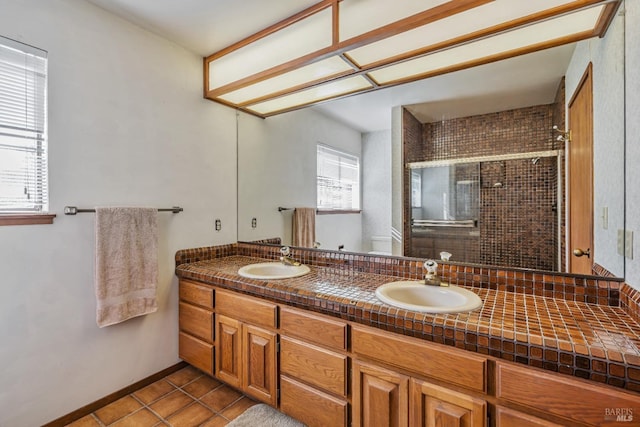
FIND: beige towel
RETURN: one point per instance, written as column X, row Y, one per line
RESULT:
column 126, row 270
column 304, row 227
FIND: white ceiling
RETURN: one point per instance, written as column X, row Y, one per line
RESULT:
column 206, row 26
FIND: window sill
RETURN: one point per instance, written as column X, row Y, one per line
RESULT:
column 336, row 211
column 26, row 219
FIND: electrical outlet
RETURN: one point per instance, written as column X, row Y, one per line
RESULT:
column 218, row 225
column 628, row 244
column 621, row 242
column 254, row 222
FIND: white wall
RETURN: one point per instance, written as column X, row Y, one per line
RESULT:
column 127, row 126
column 376, row 186
column 632, row 70
column 607, row 56
column 277, row 167
column 397, row 168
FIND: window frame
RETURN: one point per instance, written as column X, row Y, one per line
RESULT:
column 22, row 215
column 345, row 154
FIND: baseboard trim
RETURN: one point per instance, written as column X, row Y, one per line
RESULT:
column 94, row 406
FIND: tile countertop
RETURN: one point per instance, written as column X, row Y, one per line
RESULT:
column 596, row 342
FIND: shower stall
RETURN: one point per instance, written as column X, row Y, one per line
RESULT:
column 496, row 210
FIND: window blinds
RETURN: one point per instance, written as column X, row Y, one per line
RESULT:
column 338, row 182
column 23, row 144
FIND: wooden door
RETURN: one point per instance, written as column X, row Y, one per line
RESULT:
column 581, row 176
column 228, row 350
column 259, row 364
column 380, row 397
column 435, row 406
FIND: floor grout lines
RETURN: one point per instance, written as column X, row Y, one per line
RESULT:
column 186, row 398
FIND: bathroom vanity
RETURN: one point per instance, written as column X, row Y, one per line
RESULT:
column 324, row 350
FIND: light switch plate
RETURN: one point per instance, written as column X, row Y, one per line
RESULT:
column 628, row 244
column 605, row 218
column 621, row 242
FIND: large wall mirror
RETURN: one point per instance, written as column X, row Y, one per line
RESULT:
column 476, row 163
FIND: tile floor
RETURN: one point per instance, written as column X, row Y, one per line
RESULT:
column 186, row 398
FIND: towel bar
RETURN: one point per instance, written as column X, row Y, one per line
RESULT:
column 72, row 210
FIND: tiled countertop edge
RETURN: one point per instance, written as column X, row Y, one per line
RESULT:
column 590, row 289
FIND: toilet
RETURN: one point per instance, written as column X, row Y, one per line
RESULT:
column 380, row 245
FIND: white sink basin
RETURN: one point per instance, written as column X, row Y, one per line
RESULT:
column 416, row 296
column 272, row 270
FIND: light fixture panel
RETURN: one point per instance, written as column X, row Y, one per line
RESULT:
column 458, row 25
column 321, row 69
column 358, row 17
column 311, row 95
column 520, row 38
column 301, row 38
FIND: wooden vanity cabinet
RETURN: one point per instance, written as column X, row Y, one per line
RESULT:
column 383, row 395
column 337, row 373
column 195, row 319
column 246, row 347
column 313, row 368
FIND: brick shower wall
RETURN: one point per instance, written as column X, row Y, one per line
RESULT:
column 505, row 132
column 511, row 233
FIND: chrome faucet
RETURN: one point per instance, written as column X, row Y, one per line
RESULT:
column 286, row 260
column 431, row 278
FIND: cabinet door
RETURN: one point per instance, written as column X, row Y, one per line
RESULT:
column 259, row 363
column 228, row 351
column 432, row 406
column 380, row 397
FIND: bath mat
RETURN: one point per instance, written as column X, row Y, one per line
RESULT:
column 264, row 416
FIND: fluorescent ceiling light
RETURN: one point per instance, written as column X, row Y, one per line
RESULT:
column 315, row 94
column 510, row 41
column 338, row 48
column 327, row 67
column 470, row 21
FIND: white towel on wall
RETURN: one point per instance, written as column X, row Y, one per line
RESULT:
column 126, row 263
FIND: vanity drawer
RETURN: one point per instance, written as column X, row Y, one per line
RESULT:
column 310, row 406
column 196, row 352
column 246, row 309
column 196, row 321
column 314, row 365
column 506, row 417
column 196, row 293
column 562, row 395
column 313, row 328
column 432, row 360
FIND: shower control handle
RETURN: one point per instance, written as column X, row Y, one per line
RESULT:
column 580, row 252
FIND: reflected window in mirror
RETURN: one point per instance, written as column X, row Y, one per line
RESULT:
column 338, row 180
column 416, row 190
